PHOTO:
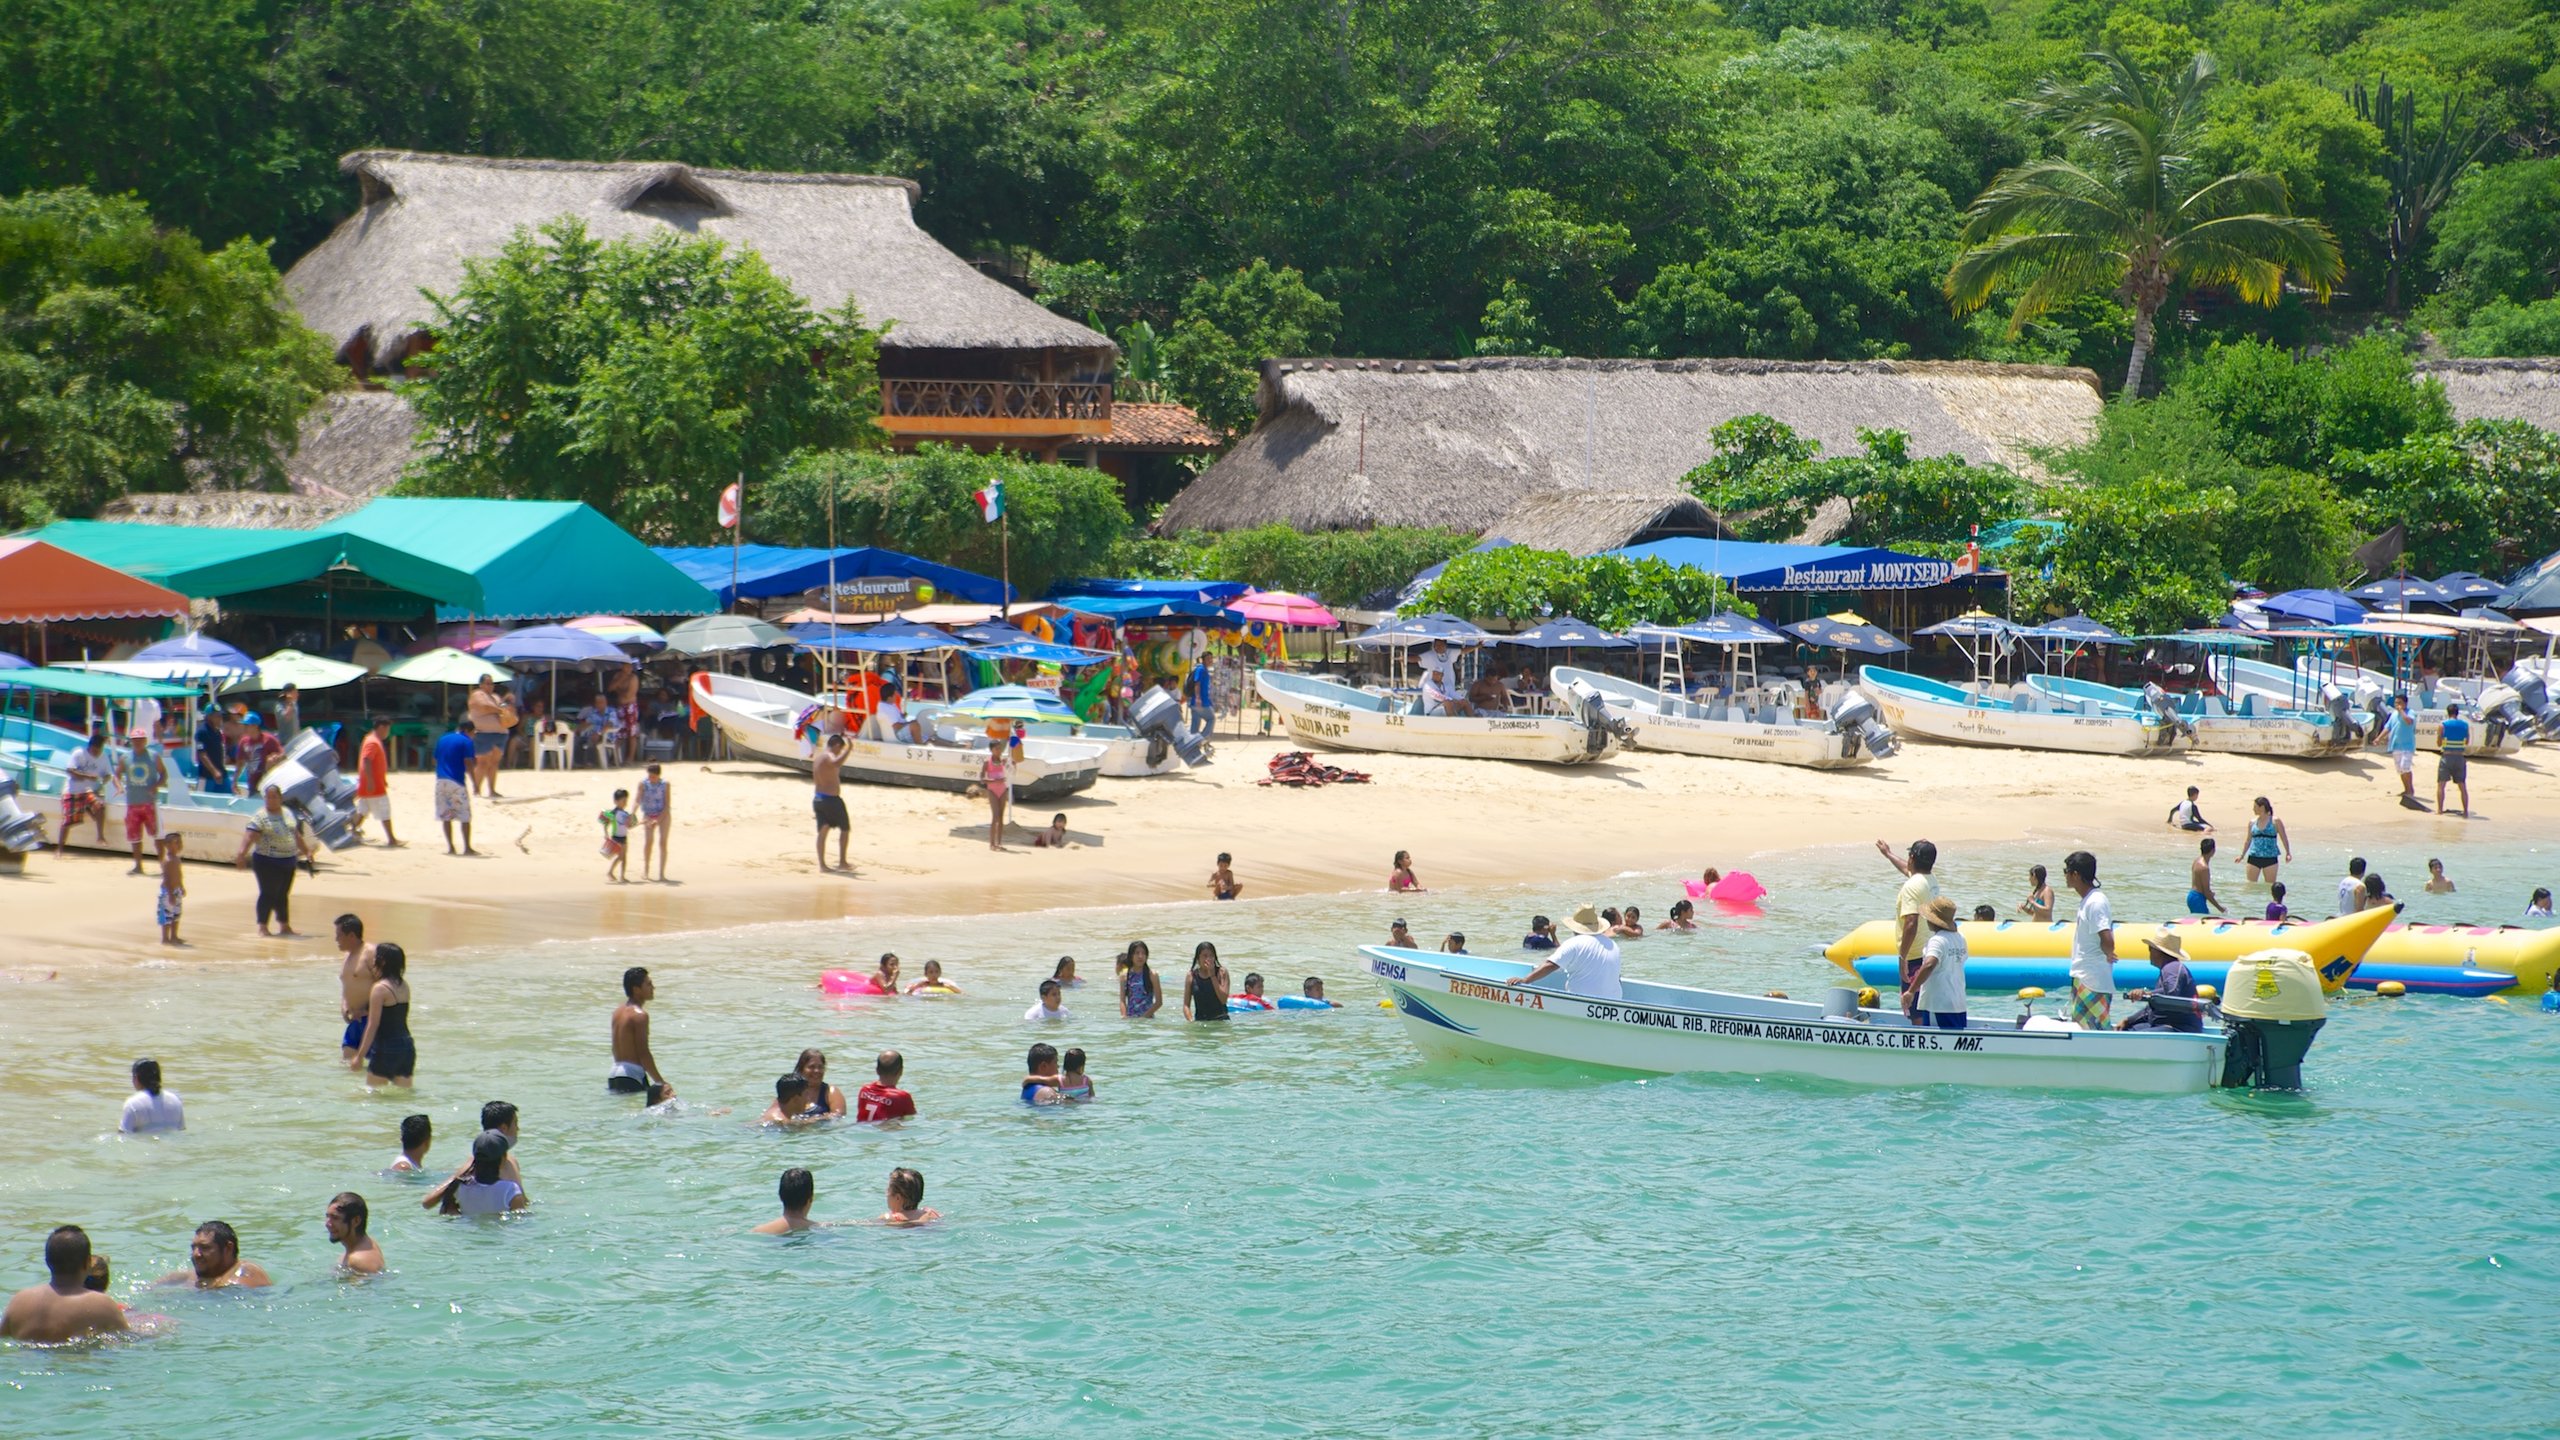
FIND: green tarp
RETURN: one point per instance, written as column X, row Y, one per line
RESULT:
column 94, row 684
column 532, row 559
column 289, row 572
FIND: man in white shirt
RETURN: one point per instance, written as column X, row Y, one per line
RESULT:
column 1440, row 681
column 84, row 787
column 1589, row 960
column 1052, row 1003
column 894, row 724
column 2351, row 887
column 2093, row 943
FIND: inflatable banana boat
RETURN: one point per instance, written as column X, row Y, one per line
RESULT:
column 2010, row 954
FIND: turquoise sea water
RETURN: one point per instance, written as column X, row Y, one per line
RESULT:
column 1289, row 1226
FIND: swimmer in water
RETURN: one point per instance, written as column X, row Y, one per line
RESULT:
column 64, row 1307
column 812, row 1067
column 886, row 977
column 1074, row 1086
column 791, row 1105
column 906, row 1200
column 799, row 1188
column 1040, row 1087
column 1313, row 989
column 417, row 1132
column 356, row 974
column 635, row 1067
column 1254, row 999
column 345, row 1220
column 214, row 1262
column 933, row 983
column 497, row 1117
column 1683, row 915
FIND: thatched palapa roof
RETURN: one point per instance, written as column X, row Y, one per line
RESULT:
column 2526, row 389
column 1583, row 522
column 1457, row 443
column 832, row 237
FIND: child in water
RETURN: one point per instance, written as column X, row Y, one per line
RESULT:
column 2276, row 908
column 906, row 1200
column 1254, row 999
column 1400, row 879
column 933, row 983
column 1074, row 1086
column 616, row 820
column 173, row 888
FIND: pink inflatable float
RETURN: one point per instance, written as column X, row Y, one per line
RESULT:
column 1737, row 888
column 849, row 982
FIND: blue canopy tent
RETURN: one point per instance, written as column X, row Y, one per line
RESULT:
column 1802, row 569
column 1206, row 591
column 889, row 637
column 1040, row 652
column 1122, row 609
column 764, row 571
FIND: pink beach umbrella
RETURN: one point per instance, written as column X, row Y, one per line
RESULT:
column 471, row 638
column 1280, row 607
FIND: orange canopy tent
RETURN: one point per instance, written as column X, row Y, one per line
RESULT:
column 41, row 584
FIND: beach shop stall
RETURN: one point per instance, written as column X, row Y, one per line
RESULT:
column 1162, row 630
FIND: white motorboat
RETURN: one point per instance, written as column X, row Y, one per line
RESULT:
column 35, row 754
column 2369, row 692
column 1744, row 726
column 2254, row 728
column 1157, row 744
column 1338, row 717
column 766, row 721
column 1917, row 705
column 1474, row 1007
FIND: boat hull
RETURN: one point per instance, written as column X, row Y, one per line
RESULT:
column 1344, row 721
column 1481, row 1013
column 2294, row 735
column 1677, row 728
column 756, row 719
column 1968, row 724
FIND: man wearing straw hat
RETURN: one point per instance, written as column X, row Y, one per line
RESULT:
column 2176, row 982
column 1589, row 960
column 1936, row 997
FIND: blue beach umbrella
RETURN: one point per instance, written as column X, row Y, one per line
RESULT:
column 2320, row 607
column 553, row 645
column 2403, row 591
column 14, row 662
column 1422, row 630
column 1567, row 633
column 1846, row 632
column 193, row 656
column 1725, row 627
column 2462, row 585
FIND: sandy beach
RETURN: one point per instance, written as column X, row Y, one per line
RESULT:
column 743, row 852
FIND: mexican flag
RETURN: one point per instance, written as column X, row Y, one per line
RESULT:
column 990, row 501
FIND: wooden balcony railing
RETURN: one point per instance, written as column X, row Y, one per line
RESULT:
column 994, row 407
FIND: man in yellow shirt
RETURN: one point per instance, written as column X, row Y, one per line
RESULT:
column 1919, row 891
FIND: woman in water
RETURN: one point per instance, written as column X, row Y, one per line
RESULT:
column 1683, row 916
column 1205, row 987
column 812, row 1067
column 1065, row 974
column 1400, row 875
column 488, row 1191
column 1140, row 996
column 2267, row 838
column 387, row 1053
column 2039, row 902
column 2539, row 908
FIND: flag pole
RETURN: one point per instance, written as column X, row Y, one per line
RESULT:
column 737, row 538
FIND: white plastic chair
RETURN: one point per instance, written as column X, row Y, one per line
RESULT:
column 555, row 742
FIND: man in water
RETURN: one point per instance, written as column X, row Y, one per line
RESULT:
column 1910, row 904
column 791, row 1104
column 882, row 1099
column 1400, row 936
column 454, row 762
column 1052, row 1004
column 826, row 771
column 1040, row 1087
column 1589, row 960
column 356, row 974
column 2093, row 943
column 214, row 1262
column 799, row 1188
column 2200, row 897
column 2351, row 887
column 2186, row 816
column 2453, row 764
column 635, row 1069
column 64, row 1307
column 345, row 1220
column 2400, row 738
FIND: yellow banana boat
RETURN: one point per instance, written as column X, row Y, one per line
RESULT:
column 2009, row 954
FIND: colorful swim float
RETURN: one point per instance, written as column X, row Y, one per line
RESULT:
column 850, row 982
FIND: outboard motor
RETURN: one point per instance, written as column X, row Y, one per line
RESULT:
column 2535, row 699
column 1158, row 716
column 2342, row 720
column 1855, row 719
column 2272, row 1009
column 314, row 786
column 1597, row 723
column 2167, row 709
column 21, row 831
column 2501, row 714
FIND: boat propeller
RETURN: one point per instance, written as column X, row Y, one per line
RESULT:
column 1158, row 716
column 2342, row 720
column 1597, row 722
column 316, row 788
column 2534, row 698
column 20, row 831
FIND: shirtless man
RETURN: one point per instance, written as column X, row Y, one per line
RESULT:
column 826, row 771
column 214, row 1262
column 345, row 1220
column 799, row 1188
column 635, row 1070
column 356, row 974
column 63, row 1308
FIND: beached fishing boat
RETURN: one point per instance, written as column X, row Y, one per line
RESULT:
column 1722, row 729
column 2337, row 947
column 2368, row 693
column 1917, row 705
column 2256, row 727
column 765, row 722
column 1475, row 1008
column 1336, row 716
column 35, row 754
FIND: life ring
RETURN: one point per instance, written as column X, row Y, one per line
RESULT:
column 849, row 982
column 1036, row 627
column 1301, row 1002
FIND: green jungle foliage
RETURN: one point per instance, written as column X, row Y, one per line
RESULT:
column 1060, row 521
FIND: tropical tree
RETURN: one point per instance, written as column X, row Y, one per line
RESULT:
column 2421, row 163
column 2141, row 218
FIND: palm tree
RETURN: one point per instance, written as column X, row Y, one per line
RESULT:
column 2141, row 217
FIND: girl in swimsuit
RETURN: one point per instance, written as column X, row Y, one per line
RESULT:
column 1400, row 874
column 887, row 978
column 1074, row 1085
column 2266, row 836
column 1140, row 996
column 932, row 983
column 998, row 779
column 2039, row 902
column 1205, row 987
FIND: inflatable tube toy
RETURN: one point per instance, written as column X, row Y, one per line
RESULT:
column 1738, row 888
column 2054, row 973
column 932, row 990
column 1301, row 1002
column 2335, row 946
column 1246, row 1005
column 849, row 982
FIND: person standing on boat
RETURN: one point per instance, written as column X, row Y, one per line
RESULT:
column 1440, row 681
column 1939, row 977
column 1589, row 960
column 2093, row 943
column 1910, row 903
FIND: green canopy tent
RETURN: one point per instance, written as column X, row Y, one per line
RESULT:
column 527, row 560
column 303, row 573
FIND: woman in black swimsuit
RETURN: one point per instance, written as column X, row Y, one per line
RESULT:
column 387, row 1053
column 1204, row 989
column 823, row 1098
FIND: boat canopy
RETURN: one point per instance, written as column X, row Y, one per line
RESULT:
column 91, row 684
